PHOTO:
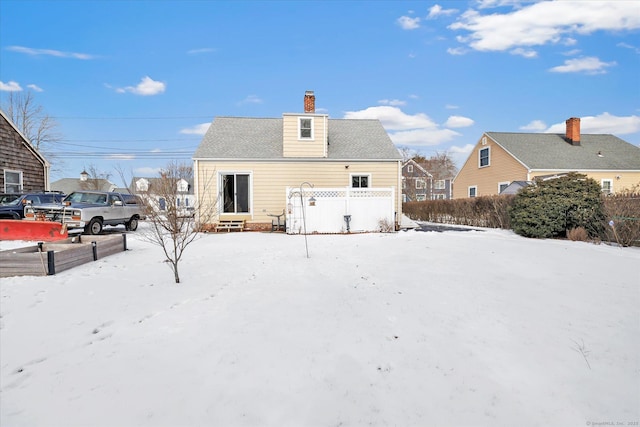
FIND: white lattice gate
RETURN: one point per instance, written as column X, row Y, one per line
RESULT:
column 324, row 210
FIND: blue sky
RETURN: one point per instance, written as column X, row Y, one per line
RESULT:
column 133, row 84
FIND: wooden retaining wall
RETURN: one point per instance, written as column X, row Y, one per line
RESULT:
column 46, row 259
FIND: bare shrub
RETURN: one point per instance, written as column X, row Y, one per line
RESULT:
column 622, row 212
column 578, row 234
column 385, row 226
column 486, row 211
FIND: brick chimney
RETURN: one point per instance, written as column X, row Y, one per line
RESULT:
column 309, row 102
column 573, row 131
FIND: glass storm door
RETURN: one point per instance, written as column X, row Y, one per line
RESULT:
column 235, row 193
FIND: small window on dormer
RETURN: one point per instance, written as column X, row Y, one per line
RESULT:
column 410, row 168
column 306, row 128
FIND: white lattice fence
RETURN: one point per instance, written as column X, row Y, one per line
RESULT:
column 325, row 209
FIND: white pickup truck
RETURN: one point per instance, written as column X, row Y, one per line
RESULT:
column 91, row 210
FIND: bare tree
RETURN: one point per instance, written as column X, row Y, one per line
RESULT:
column 173, row 225
column 440, row 165
column 37, row 126
column 30, row 118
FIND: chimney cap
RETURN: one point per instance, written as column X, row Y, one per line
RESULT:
column 308, row 93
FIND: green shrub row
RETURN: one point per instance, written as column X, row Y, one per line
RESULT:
column 568, row 207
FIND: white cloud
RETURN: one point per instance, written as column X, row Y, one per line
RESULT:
column 451, row 107
column 545, row 22
column 603, row 123
column 423, row 137
column 35, row 88
column 588, row 65
column 50, row 52
column 146, row 87
column 406, row 129
column 535, row 125
column 392, row 102
column 527, row 53
column 437, row 10
column 147, row 171
column 120, row 157
column 251, row 99
column 456, row 51
column 10, row 86
column 393, row 118
column 572, row 52
column 458, row 122
column 628, row 46
column 200, row 129
column 460, row 154
column 408, row 23
column 201, row 50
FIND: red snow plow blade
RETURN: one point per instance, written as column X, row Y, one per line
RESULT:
column 43, row 231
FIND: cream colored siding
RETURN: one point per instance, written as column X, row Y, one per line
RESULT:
column 269, row 180
column 502, row 168
column 626, row 180
column 293, row 146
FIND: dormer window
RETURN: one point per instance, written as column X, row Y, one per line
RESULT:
column 305, row 126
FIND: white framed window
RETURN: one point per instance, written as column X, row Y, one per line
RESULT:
column 360, row 181
column 421, row 197
column 473, row 191
column 438, row 197
column 404, row 183
column 12, row 181
column 439, row 184
column 420, row 184
column 410, row 168
column 404, row 198
column 502, row 186
column 305, row 128
column 483, row 157
column 607, row 186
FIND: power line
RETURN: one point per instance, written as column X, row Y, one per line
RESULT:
column 128, row 118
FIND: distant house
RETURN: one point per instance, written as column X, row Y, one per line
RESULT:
column 500, row 158
column 69, row 185
column 22, row 167
column 255, row 168
column 151, row 188
column 442, row 189
column 416, row 182
column 514, row 187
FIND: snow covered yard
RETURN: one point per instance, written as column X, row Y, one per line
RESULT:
column 477, row 328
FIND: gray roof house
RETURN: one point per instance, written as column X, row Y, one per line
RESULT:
column 248, row 163
column 69, row 185
column 500, row 158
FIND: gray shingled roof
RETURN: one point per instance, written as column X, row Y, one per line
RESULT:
column 551, row 151
column 259, row 138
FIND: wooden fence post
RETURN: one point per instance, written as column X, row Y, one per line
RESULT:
column 51, row 263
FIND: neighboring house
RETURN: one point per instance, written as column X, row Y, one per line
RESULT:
column 150, row 188
column 500, row 158
column 22, row 167
column 442, row 189
column 69, row 185
column 514, row 187
column 246, row 165
column 416, row 182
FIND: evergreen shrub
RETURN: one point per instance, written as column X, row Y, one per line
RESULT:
column 550, row 208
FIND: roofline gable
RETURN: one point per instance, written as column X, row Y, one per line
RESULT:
column 26, row 141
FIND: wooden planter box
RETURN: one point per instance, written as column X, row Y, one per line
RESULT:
column 46, row 259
